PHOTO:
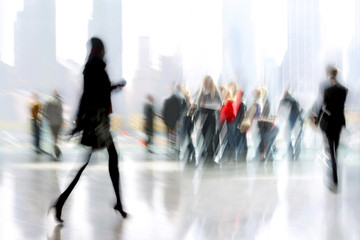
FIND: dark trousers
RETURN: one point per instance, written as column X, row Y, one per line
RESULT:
column 241, row 146
column 55, row 129
column 149, row 136
column 114, row 175
column 36, row 132
column 209, row 130
column 268, row 134
column 331, row 143
column 171, row 136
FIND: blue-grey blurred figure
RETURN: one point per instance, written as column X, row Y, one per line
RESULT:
column 328, row 113
column 35, row 109
column 53, row 113
column 289, row 104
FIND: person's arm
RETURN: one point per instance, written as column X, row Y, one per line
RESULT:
column 217, row 101
column 319, row 101
column 45, row 111
column 119, row 85
column 40, row 115
column 200, row 100
column 61, row 112
column 159, row 116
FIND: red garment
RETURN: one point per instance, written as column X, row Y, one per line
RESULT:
column 227, row 112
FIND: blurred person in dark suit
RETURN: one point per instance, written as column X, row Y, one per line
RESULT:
column 94, row 122
column 53, row 113
column 149, row 115
column 172, row 111
column 329, row 115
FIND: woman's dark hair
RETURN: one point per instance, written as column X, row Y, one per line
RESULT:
column 97, row 47
column 96, row 43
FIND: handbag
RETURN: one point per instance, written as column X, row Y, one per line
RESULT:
column 96, row 133
column 247, row 121
column 245, row 125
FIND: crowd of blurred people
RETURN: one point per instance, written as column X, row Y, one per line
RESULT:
column 213, row 123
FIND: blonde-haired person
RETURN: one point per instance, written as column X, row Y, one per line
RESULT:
column 209, row 96
column 223, row 91
column 232, row 87
column 254, row 112
column 237, row 142
column 265, row 104
column 208, row 103
column 267, row 129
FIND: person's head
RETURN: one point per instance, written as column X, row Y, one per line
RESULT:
column 256, row 93
column 208, row 83
column 97, row 47
column 232, row 87
column 35, row 95
column 185, row 92
column 331, row 71
column 208, row 86
column 222, row 91
column 227, row 95
column 150, row 98
column 264, row 93
column 177, row 89
column 56, row 93
column 286, row 93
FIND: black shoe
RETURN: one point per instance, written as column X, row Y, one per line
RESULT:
column 57, row 213
column 122, row 212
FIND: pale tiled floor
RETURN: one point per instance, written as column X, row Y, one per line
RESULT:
column 165, row 200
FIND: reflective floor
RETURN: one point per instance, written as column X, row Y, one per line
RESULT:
column 169, row 200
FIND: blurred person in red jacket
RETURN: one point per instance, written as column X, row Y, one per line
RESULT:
column 227, row 111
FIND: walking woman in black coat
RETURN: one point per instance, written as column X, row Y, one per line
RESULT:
column 94, row 123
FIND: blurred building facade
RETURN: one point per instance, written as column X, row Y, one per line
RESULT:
column 302, row 63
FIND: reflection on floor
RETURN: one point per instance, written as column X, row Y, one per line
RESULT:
column 168, row 200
